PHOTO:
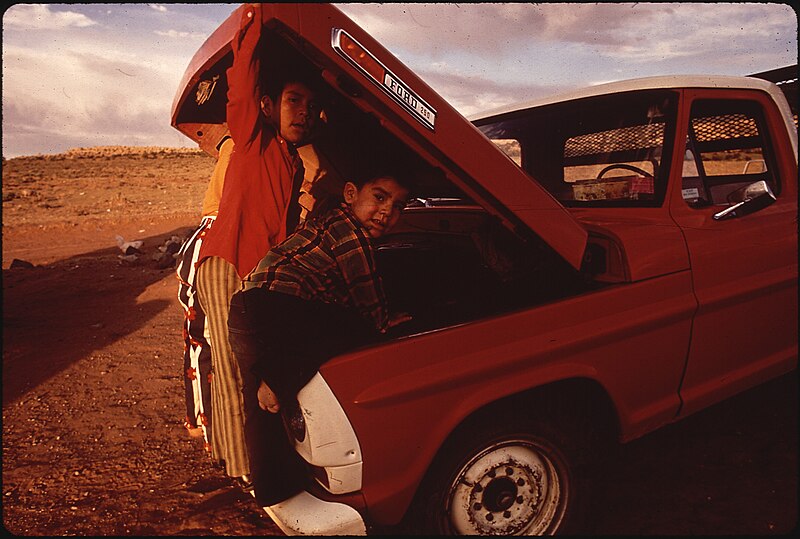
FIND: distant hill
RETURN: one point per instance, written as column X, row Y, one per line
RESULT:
column 105, row 184
column 117, row 151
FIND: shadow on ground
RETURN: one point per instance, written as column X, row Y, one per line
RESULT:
column 729, row 469
column 54, row 315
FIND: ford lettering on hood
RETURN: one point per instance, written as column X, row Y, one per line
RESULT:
column 377, row 104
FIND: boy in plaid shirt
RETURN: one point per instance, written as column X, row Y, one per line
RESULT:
column 313, row 296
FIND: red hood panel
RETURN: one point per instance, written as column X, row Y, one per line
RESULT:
column 408, row 107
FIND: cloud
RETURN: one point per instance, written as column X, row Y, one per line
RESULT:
column 435, row 29
column 180, row 35
column 649, row 34
column 96, row 97
column 114, row 83
column 42, row 132
column 539, row 49
column 41, row 17
column 641, row 32
column 111, row 84
column 469, row 93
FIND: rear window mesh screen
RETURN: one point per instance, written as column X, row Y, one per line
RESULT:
column 616, row 140
column 728, row 126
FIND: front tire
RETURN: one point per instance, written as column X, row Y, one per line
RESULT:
column 503, row 482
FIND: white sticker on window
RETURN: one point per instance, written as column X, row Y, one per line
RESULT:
column 690, row 193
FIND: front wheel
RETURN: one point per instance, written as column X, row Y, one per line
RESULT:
column 512, row 483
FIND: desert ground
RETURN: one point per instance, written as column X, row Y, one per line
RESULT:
column 93, row 442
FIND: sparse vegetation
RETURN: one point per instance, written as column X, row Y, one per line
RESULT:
column 104, row 181
column 149, row 152
column 93, row 442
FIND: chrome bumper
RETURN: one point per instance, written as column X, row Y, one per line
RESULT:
column 304, row 514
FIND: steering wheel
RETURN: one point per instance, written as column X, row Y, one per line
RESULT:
column 626, row 167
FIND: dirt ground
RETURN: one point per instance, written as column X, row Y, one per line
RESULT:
column 93, row 442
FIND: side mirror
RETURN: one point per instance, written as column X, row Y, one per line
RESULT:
column 747, row 199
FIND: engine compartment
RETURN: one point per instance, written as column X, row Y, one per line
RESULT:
column 451, row 265
column 449, row 260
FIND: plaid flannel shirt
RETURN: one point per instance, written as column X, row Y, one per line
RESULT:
column 328, row 259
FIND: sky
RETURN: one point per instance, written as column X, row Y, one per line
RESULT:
column 81, row 75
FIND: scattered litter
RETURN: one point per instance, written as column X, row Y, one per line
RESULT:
column 172, row 245
column 129, row 247
column 168, row 252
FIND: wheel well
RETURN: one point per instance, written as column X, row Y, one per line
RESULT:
column 580, row 407
column 579, row 402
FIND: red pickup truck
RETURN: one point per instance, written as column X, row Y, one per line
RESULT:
column 581, row 271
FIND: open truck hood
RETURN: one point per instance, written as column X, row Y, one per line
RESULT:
column 356, row 66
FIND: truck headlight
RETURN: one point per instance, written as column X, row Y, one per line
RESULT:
column 324, row 437
column 295, row 422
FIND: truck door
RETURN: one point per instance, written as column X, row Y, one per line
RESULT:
column 744, row 265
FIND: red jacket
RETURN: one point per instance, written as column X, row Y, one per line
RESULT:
column 258, row 182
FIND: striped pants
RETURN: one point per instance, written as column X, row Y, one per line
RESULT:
column 196, row 348
column 217, row 281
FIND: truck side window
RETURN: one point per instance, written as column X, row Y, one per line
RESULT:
column 604, row 151
column 511, row 147
column 727, row 148
column 620, row 163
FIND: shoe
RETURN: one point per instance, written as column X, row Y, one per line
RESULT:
column 245, row 484
column 194, row 432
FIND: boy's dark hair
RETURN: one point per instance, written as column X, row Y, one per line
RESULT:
column 384, row 158
column 273, row 82
column 359, row 177
column 368, row 174
column 281, row 65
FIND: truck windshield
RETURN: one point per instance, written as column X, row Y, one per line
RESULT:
column 610, row 150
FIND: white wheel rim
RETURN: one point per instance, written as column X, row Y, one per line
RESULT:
column 510, row 488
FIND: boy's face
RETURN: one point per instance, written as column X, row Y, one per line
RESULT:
column 377, row 205
column 296, row 115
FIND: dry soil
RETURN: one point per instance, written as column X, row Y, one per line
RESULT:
column 93, row 442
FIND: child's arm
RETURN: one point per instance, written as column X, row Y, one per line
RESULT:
column 267, row 400
column 244, row 96
column 355, row 258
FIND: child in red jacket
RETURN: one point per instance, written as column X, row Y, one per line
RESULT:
column 269, row 114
